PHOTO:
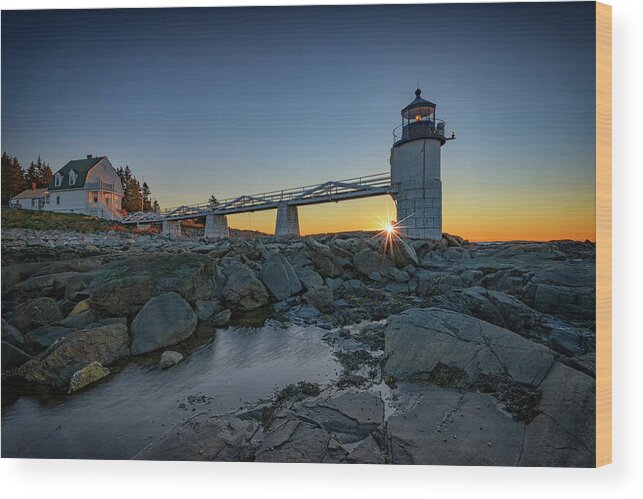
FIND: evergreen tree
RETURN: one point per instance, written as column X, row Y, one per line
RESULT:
column 127, row 175
column 46, row 175
column 155, row 206
column 31, row 175
column 135, row 197
column 120, row 172
column 43, row 173
column 13, row 179
column 213, row 202
column 131, row 190
column 147, row 202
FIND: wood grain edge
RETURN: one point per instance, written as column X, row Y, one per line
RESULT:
column 603, row 234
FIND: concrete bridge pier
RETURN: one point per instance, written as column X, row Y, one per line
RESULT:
column 287, row 221
column 172, row 228
column 216, row 226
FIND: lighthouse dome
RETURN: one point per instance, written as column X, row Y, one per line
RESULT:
column 418, row 106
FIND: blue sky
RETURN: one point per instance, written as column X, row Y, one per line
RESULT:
column 245, row 100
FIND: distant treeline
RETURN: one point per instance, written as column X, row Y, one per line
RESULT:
column 16, row 179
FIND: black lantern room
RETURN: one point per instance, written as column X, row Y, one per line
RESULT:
column 419, row 121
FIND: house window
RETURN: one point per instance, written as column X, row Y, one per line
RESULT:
column 72, row 177
column 58, row 180
column 57, row 199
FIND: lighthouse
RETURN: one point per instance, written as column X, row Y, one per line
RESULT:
column 415, row 170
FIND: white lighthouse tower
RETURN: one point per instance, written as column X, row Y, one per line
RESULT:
column 415, row 170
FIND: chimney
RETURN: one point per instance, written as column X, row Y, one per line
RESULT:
column 89, row 156
column 33, row 186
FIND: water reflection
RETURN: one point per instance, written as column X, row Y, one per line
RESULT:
column 116, row 419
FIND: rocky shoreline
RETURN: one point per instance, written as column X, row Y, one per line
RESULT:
column 451, row 352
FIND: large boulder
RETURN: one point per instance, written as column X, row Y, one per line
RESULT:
column 572, row 302
column 123, row 287
column 564, row 433
column 418, row 341
column 38, row 312
column 279, row 277
column 500, row 309
column 323, row 258
column 14, row 273
column 403, row 253
column 369, row 261
column 321, row 298
column 309, row 278
column 453, row 241
column 243, row 291
column 561, row 288
column 56, row 365
column 164, row 320
column 33, row 287
column 62, row 285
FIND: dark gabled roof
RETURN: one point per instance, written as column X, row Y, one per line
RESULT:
column 80, row 166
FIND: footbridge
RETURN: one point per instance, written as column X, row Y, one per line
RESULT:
column 284, row 201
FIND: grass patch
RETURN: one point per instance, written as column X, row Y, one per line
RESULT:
column 72, row 222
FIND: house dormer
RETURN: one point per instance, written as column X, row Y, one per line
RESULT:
column 72, row 177
column 58, row 180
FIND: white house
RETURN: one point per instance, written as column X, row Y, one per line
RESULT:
column 90, row 186
column 30, row 199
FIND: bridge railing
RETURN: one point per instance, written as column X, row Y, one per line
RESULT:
column 284, row 195
column 328, row 189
